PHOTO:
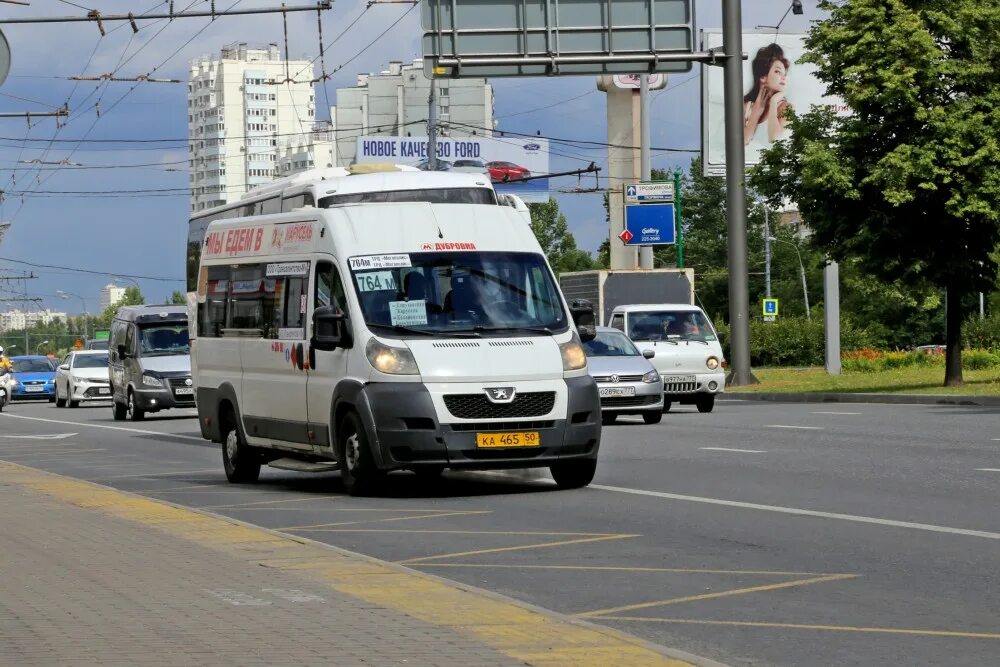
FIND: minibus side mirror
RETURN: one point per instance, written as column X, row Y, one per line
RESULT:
column 582, row 312
column 330, row 329
column 649, row 354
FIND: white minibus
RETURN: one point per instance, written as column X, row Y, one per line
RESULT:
column 372, row 337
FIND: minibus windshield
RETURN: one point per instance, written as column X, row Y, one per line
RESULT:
column 458, row 292
column 163, row 339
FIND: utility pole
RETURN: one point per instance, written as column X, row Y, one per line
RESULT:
column 432, row 122
column 680, row 220
column 645, row 166
column 767, row 253
column 739, row 293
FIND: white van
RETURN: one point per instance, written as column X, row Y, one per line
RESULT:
column 688, row 354
column 382, row 336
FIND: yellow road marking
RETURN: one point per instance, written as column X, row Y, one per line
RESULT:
column 616, row 568
column 167, row 474
column 52, row 454
column 526, row 634
column 451, row 532
column 711, row 596
column 271, row 502
column 208, row 488
column 394, row 518
column 804, row 626
column 543, row 545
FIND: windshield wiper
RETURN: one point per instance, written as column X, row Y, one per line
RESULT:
column 399, row 328
column 480, row 329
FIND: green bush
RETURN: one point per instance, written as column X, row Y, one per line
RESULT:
column 794, row 341
column 982, row 334
column 977, row 360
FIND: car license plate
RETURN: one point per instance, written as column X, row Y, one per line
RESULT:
column 667, row 379
column 617, row 391
column 519, row 439
column 184, row 391
column 104, row 391
column 34, row 390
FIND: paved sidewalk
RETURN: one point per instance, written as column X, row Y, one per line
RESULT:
column 94, row 576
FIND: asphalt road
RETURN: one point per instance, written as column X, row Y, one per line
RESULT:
column 761, row 534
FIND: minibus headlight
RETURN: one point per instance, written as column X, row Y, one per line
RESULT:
column 151, row 381
column 391, row 360
column 573, row 356
column 651, row 377
column 712, row 363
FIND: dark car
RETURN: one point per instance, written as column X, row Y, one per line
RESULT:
column 501, row 172
column 34, row 377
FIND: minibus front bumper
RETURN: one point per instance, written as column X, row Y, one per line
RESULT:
column 406, row 432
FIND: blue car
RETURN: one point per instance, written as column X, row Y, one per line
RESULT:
column 34, row 377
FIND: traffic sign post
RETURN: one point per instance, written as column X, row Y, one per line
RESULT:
column 769, row 308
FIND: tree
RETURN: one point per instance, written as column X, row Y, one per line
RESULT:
column 558, row 244
column 178, row 298
column 907, row 184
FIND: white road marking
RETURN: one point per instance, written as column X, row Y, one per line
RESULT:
column 110, row 428
column 239, row 598
column 55, row 436
column 727, row 449
column 804, row 428
column 293, row 595
column 837, row 413
column 988, row 469
column 801, row 512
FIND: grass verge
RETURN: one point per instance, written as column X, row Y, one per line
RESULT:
column 913, row 380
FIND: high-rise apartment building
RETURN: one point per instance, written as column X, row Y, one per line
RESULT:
column 14, row 320
column 242, row 111
column 110, row 294
column 394, row 102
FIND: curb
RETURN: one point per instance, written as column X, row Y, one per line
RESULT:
column 889, row 399
column 576, row 650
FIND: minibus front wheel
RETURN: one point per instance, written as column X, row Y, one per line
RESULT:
column 241, row 462
column 357, row 465
column 574, row 474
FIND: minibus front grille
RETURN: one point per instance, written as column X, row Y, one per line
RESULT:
column 477, row 406
column 485, row 427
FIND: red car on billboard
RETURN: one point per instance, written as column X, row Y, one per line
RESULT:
column 501, row 172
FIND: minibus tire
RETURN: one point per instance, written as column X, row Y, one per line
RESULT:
column 134, row 412
column 241, row 462
column 120, row 411
column 652, row 416
column 705, row 403
column 574, row 474
column 608, row 418
column 358, row 473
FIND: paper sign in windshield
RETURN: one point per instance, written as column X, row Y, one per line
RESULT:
column 379, row 262
column 287, row 269
column 408, row 313
column 375, row 281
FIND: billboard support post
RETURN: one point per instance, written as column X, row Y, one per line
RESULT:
column 432, row 115
column 739, row 293
column 646, row 167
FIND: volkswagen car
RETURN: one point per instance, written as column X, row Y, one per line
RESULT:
column 626, row 380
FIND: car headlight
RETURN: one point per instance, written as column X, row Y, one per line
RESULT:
column 391, row 360
column 651, row 377
column 151, row 381
column 74, row 378
column 14, row 382
column 712, row 363
column 573, row 356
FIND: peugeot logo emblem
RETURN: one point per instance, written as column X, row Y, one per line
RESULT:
column 188, row 382
column 500, row 394
column 615, row 378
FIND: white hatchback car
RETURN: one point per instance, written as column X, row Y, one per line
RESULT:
column 82, row 376
column 688, row 354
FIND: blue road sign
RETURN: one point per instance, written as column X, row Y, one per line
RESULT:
column 770, row 306
column 650, row 224
column 630, row 191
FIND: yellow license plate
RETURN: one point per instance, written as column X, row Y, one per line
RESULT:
column 519, row 439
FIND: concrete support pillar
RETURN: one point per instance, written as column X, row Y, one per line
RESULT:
column 623, row 164
column 831, row 316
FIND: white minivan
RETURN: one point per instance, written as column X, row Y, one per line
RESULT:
column 688, row 354
column 382, row 336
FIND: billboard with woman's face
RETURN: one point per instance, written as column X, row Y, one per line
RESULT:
column 774, row 82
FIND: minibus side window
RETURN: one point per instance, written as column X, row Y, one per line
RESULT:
column 130, row 338
column 618, row 322
column 329, row 289
column 212, row 313
column 295, row 303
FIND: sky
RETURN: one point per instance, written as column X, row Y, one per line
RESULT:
column 143, row 235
